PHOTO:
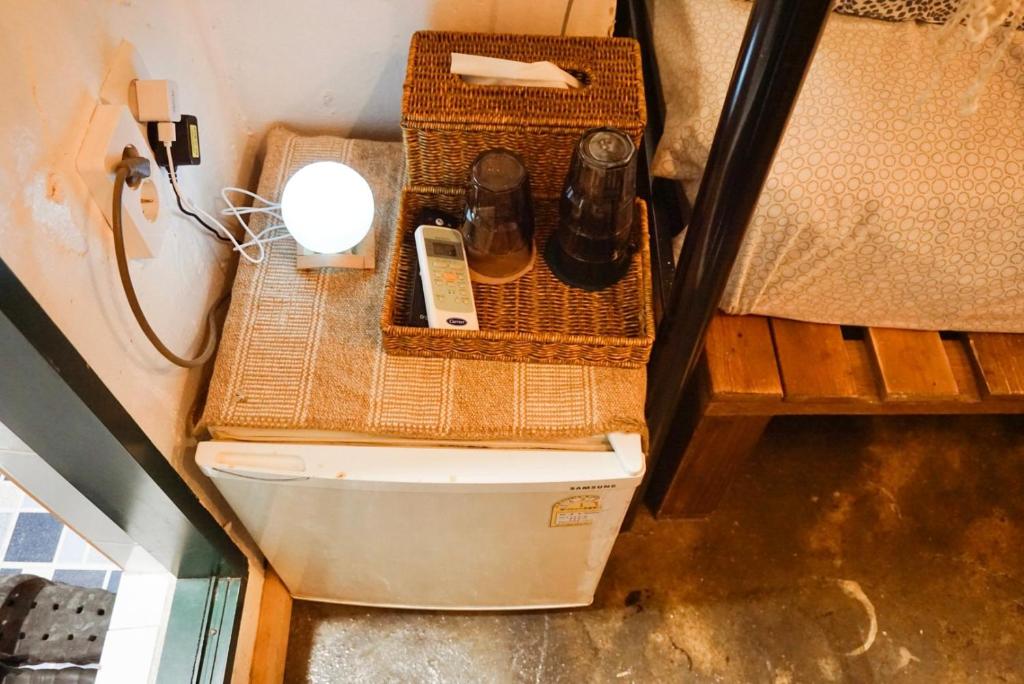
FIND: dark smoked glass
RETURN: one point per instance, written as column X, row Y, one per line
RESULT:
column 593, row 245
column 498, row 230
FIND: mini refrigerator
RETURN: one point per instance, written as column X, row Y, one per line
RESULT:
column 466, row 528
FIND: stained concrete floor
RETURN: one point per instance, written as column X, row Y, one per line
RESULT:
column 850, row 550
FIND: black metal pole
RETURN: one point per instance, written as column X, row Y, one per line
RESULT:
column 666, row 201
column 777, row 49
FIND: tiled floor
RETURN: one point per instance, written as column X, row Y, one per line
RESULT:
column 33, row 541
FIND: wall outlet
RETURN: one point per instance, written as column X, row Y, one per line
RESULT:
column 111, row 129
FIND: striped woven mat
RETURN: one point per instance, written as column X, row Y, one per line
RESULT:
column 301, row 356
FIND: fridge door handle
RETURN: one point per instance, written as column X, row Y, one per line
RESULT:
column 629, row 449
column 262, row 467
column 249, row 476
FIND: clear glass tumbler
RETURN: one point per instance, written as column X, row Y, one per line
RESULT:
column 593, row 244
column 498, row 227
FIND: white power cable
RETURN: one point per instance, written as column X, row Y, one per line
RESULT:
column 239, row 213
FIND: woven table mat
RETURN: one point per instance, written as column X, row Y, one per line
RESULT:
column 301, row 350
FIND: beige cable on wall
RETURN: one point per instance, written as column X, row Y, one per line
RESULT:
column 131, row 170
column 565, row 18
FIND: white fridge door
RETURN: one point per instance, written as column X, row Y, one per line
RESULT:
column 431, row 528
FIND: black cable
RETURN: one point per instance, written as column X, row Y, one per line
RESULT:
column 137, row 168
column 213, row 231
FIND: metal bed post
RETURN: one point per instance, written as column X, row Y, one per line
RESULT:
column 667, row 206
column 777, row 48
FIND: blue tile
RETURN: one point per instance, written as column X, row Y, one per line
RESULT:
column 114, row 582
column 9, row 571
column 35, row 538
column 80, row 578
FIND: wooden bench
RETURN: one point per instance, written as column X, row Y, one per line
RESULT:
column 755, row 368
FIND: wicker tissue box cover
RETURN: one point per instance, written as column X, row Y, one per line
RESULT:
column 301, row 356
column 446, row 122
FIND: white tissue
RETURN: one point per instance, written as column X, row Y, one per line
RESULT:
column 491, row 71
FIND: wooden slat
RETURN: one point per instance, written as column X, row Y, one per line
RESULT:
column 813, row 362
column 999, row 360
column 862, row 366
column 271, row 647
column 963, row 371
column 948, row 407
column 870, row 400
column 741, row 359
column 911, row 365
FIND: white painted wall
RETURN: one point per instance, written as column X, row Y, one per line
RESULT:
column 338, row 66
column 55, row 55
column 53, row 237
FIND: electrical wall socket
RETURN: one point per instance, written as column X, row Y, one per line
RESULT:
column 111, row 129
column 126, row 66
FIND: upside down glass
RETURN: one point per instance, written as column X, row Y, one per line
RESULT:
column 593, row 245
column 498, row 228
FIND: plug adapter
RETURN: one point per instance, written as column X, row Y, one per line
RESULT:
column 184, row 148
column 154, row 100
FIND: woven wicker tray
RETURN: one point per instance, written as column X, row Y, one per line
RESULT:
column 537, row 318
column 447, row 122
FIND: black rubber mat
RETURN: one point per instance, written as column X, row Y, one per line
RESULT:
column 50, row 622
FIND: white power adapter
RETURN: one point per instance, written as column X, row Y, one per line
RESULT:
column 154, row 100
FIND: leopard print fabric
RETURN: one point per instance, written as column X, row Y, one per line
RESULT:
column 929, row 11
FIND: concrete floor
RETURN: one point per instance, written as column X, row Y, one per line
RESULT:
column 915, row 525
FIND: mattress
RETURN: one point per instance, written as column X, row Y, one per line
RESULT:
column 301, row 357
column 887, row 205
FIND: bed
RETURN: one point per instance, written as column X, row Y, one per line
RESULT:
column 879, row 205
column 886, row 205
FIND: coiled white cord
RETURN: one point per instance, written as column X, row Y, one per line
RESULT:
column 257, row 240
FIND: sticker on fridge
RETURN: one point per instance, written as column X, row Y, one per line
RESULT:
column 575, row 510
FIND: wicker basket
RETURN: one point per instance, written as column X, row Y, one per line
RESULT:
column 447, row 122
column 536, row 318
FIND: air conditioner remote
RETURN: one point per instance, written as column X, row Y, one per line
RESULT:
column 447, row 289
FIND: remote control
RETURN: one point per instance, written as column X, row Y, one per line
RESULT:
column 445, row 275
column 417, row 305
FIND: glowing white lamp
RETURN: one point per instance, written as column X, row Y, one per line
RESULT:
column 327, row 207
